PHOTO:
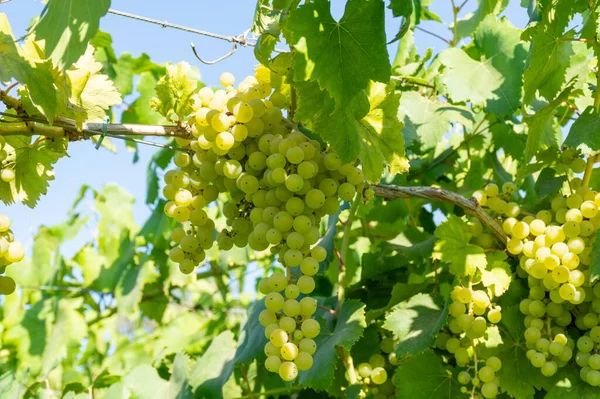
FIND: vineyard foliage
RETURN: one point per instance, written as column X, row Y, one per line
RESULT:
column 423, row 225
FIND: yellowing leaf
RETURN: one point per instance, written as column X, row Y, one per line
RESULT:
column 174, row 91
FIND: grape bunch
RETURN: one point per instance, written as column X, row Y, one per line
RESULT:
column 554, row 251
column 373, row 375
column 275, row 184
column 288, row 324
column 11, row 251
column 7, row 174
column 469, row 313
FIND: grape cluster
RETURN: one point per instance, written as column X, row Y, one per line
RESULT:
column 7, row 174
column 275, row 184
column 11, row 251
column 288, row 324
column 554, row 250
column 373, row 375
column 469, row 313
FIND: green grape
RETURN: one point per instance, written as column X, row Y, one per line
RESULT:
column 465, row 321
column 308, row 306
column 480, row 298
column 274, row 301
column 574, row 201
column 594, row 361
column 561, row 274
column 278, row 337
column 452, row 345
column 462, row 356
column 494, row 363
column 479, row 326
column 278, row 281
column 567, row 291
column 537, row 360
column 273, row 363
column 332, row 161
column 293, row 257
column 267, row 317
column 310, row 328
column 379, row 375
column 393, row 359
column 486, row 374
column 364, row 370
column 292, row 291
column 287, row 324
column 463, row 378
column 291, row 307
column 289, row 351
column 495, row 315
column 294, row 206
column 309, row 266
column 556, row 348
column 520, row 230
column 346, row 191
column 578, row 165
column 537, row 308
column 593, row 378
column 307, row 345
column 386, row 345
column 377, row 360
column 456, row 309
column 319, row 253
column 271, row 350
column 304, row 361
column 464, row 295
column 294, row 183
column 489, row 390
column 305, row 284
column 491, row 190
column 582, row 359
column 288, row 371
column 532, row 334
column 7, row 285
column 295, row 155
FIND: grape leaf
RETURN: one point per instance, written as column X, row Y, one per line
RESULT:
column 144, row 382
column 416, row 323
column 497, row 274
column 341, row 56
column 139, row 111
column 495, row 79
column 425, row 121
column 453, row 247
column 33, row 164
column 382, row 143
column 501, row 45
column 404, row 9
column 179, row 387
column 585, row 130
column 37, row 76
column 174, row 91
column 547, row 183
column 92, row 92
column 549, row 56
column 424, row 376
column 160, row 160
column 570, row 385
column 541, row 130
column 348, row 329
column 214, row 367
column 10, row 387
column 66, row 26
column 466, row 26
column 252, row 338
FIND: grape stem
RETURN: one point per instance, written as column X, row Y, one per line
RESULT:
column 470, row 205
column 349, row 363
column 245, row 375
column 323, row 308
column 587, row 176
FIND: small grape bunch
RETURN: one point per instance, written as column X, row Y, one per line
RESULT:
column 288, row 327
column 483, row 379
column 11, row 251
column 499, row 201
column 374, row 376
column 7, row 174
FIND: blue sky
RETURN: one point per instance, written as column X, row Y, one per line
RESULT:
column 228, row 17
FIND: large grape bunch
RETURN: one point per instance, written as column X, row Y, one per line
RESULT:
column 11, row 251
column 276, row 185
column 554, row 251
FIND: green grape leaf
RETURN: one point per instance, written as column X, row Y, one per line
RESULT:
column 10, row 387
column 547, row 183
column 354, row 391
column 264, row 47
column 453, row 247
column 33, row 164
column 144, row 382
column 66, row 26
column 497, row 275
column 179, row 387
column 174, row 91
column 487, row 8
column 570, row 385
column 348, row 329
column 424, row 376
column 495, row 79
column 37, row 76
column 541, row 128
column 549, row 56
column 214, row 367
column 585, row 130
column 341, row 56
column 126, row 67
column 425, row 121
column 91, row 92
column 404, row 9
column 382, row 143
column 252, row 338
column 416, row 323
column 595, row 266
column 501, row 45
